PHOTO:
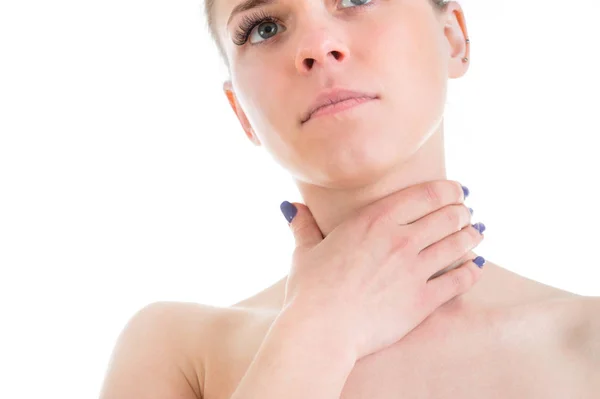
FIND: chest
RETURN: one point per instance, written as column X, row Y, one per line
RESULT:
column 498, row 355
column 479, row 372
column 470, row 371
column 515, row 357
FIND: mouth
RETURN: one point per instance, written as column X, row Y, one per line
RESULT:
column 337, row 100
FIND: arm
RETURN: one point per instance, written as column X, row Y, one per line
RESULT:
column 146, row 362
column 297, row 360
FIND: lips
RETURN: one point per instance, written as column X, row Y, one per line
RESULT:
column 334, row 96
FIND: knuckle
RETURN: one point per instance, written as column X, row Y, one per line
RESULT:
column 462, row 279
column 453, row 217
column 469, row 276
column 402, row 242
column 298, row 226
column 463, row 241
column 374, row 220
column 456, row 283
column 367, row 221
column 432, row 193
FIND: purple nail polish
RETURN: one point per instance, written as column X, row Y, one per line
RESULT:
column 479, row 261
column 480, row 227
column 289, row 211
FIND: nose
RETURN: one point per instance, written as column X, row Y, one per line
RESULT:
column 319, row 48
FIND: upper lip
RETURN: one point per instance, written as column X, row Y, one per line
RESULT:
column 333, row 96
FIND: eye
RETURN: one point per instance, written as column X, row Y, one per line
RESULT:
column 264, row 30
column 266, row 26
column 356, row 2
column 250, row 22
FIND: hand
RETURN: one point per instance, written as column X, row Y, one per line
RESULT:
column 367, row 281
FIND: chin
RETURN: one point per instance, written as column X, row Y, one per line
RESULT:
column 352, row 165
column 351, row 149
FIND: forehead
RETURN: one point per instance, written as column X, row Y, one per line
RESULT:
column 218, row 12
column 221, row 9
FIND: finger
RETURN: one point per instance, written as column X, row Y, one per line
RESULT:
column 449, row 250
column 412, row 203
column 303, row 225
column 438, row 225
column 450, row 284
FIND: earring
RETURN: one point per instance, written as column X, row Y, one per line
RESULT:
column 466, row 59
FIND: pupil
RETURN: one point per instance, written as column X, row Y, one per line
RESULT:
column 267, row 28
column 357, row 2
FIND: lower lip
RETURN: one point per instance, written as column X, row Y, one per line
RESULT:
column 340, row 106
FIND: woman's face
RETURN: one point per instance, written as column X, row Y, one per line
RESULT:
column 396, row 50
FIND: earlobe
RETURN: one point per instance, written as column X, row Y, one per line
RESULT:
column 239, row 112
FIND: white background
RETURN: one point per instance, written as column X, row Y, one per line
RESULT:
column 126, row 179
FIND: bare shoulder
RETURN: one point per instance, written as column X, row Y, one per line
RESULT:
column 165, row 344
column 582, row 341
column 577, row 317
column 564, row 330
column 574, row 321
column 584, row 329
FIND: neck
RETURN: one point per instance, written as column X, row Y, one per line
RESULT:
column 330, row 207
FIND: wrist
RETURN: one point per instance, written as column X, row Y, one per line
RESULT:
column 316, row 331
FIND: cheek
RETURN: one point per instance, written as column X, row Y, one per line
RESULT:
column 263, row 101
column 264, row 86
column 256, row 91
column 411, row 73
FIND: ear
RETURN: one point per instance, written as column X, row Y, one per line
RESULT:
column 455, row 30
column 228, row 89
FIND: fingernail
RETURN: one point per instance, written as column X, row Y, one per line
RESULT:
column 289, row 211
column 466, row 191
column 479, row 226
column 479, row 261
column 471, row 210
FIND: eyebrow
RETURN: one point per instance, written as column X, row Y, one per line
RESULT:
column 247, row 5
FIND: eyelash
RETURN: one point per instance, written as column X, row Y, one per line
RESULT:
column 250, row 22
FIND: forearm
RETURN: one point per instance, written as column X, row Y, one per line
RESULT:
column 296, row 362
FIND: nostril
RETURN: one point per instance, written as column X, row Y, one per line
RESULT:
column 309, row 62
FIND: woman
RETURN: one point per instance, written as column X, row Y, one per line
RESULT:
column 349, row 96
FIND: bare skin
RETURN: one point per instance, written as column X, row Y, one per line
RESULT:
column 503, row 347
column 507, row 337
column 525, row 340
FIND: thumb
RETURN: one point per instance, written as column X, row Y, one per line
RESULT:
column 303, row 225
